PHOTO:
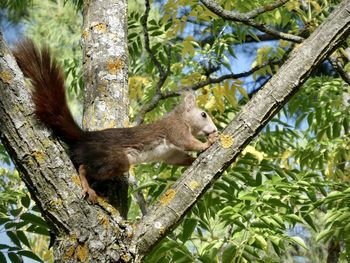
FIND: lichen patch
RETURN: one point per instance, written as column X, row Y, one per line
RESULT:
column 85, row 34
column 82, row 252
column 76, row 180
column 125, row 258
column 56, row 202
column 114, row 66
column 39, row 156
column 70, row 252
column 194, row 185
column 5, row 76
column 168, row 196
column 101, row 27
column 104, row 220
column 226, row 140
column 112, row 124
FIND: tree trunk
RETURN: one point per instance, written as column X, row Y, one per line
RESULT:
column 105, row 70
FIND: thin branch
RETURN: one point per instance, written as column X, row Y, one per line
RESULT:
column 144, row 22
column 247, row 18
column 269, row 7
column 138, row 194
column 334, row 60
column 161, row 96
column 163, row 73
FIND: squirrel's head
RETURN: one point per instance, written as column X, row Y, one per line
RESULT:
column 198, row 120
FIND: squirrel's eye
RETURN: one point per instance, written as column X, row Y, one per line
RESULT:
column 204, row 115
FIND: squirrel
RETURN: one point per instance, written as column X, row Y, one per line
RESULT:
column 105, row 154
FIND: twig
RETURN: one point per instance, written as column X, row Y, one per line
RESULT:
column 269, row 7
column 138, row 194
column 161, row 96
column 334, row 60
column 163, row 74
column 247, row 18
column 146, row 37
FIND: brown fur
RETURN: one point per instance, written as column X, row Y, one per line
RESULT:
column 106, row 154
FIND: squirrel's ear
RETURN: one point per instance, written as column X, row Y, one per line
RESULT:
column 188, row 100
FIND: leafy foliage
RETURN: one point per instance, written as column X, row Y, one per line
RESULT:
column 287, row 196
column 20, row 220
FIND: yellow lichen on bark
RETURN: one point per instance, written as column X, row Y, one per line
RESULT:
column 56, row 202
column 5, row 76
column 168, row 196
column 194, row 185
column 76, row 180
column 39, row 156
column 101, row 27
column 82, row 252
column 70, row 253
column 85, row 34
column 114, row 66
column 226, row 140
column 104, row 220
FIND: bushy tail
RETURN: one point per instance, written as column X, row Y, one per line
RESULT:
column 48, row 90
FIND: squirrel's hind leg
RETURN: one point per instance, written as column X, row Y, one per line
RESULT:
column 87, row 192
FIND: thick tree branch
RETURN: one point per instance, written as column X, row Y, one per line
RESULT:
column 244, row 127
column 247, row 18
column 52, row 180
column 105, row 70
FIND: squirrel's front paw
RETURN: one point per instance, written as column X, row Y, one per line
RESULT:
column 213, row 137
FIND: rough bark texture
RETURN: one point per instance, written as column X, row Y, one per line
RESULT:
column 83, row 232
column 106, row 78
column 245, row 126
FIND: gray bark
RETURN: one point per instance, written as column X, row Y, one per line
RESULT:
column 106, row 79
column 245, row 126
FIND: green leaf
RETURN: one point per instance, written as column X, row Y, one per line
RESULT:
column 299, row 241
column 188, row 228
column 260, row 242
column 25, row 200
column 4, row 220
column 2, row 258
column 16, row 212
column 29, row 254
column 156, row 33
column 23, row 238
column 14, row 258
column 229, row 253
column 324, row 235
column 39, row 230
column 34, row 219
column 13, row 238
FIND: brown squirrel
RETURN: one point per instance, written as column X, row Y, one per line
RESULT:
column 102, row 155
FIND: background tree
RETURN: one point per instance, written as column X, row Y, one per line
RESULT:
column 286, row 196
